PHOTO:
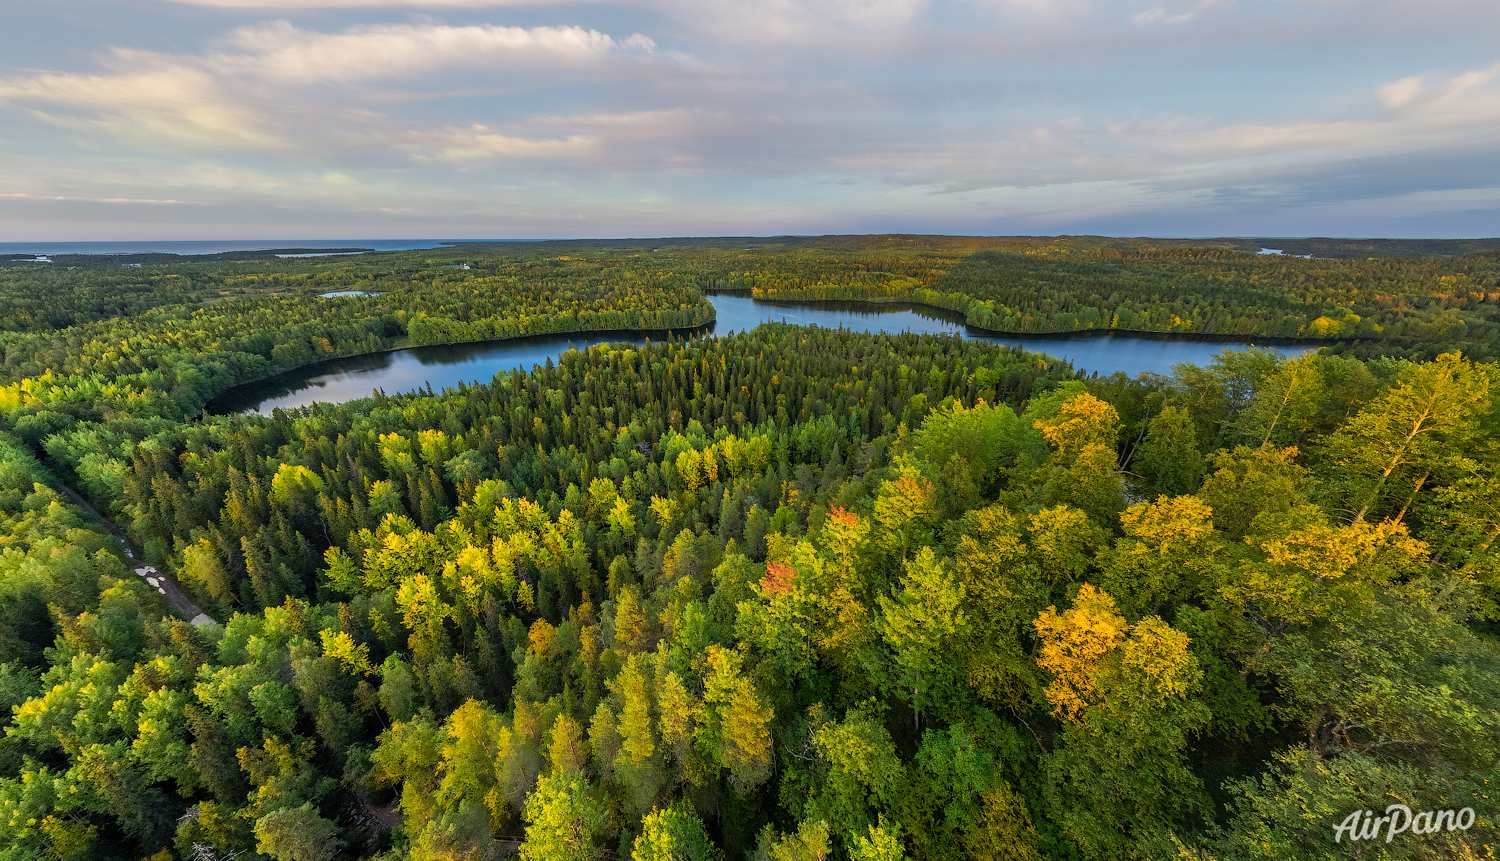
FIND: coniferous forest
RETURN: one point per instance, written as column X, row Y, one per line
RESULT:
column 790, row 594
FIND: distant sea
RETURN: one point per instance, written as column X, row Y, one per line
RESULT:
column 209, row 246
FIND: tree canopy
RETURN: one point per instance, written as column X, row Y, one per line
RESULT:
column 791, row 594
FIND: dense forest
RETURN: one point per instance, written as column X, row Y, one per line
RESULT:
column 788, row 594
column 1417, row 307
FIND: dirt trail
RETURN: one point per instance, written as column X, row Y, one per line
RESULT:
column 163, row 584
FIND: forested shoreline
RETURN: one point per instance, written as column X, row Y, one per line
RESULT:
column 791, row 594
column 1197, row 291
column 217, row 403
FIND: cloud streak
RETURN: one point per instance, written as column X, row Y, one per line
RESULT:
column 284, row 53
column 365, row 4
column 147, row 99
column 1167, row 15
column 130, row 200
column 1463, row 109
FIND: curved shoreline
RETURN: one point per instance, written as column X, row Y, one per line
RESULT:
column 1064, row 334
column 223, row 402
column 208, row 406
column 1152, row 335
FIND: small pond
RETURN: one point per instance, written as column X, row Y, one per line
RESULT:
column 446, row 366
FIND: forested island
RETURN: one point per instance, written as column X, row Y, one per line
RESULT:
column 788, row 595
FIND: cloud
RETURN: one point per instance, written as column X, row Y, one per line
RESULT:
column 1176, row 15
column 1432, row 201
column 1462, row 110
column 356, row 4
column 1186, row 162
column 283, row 52
column 1049, row 110
column 845, row 26
column 480, row 143
column 148, row 97
column 677, row 140
column 130, row 200
column 773, row 12
column 1400, row 93
column 737, row 21
column 256, row 95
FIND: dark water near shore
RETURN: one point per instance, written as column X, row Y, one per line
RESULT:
column 439, row 366
column 446, row 366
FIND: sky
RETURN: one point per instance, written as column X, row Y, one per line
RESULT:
column 250, row 119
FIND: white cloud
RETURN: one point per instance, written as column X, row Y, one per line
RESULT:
column 480, row 143
column 283, row 52
column 148, row 97
column 1186, row 160
column 1463, row 110
column 672, row 140
column 256, row 95
column 1056, row 109
column 357, row 4
column 845, row 26
column 63, row 197
column 802, row 22
column 682, row 124
column 783, row 15
column 1400, row 93
column 1178, row 14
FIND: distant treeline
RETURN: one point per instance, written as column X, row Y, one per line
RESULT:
column 1389, row 306
column 161, row 341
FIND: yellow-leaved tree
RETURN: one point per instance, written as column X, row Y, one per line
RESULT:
column 1081, row 421
column 1124, row 693
column 734, row 722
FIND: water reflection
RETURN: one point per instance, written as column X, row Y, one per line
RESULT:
column 1104, row 354
column 441, row 367
column 436, row 367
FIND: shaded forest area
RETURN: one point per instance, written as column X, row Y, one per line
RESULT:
column 791, row 594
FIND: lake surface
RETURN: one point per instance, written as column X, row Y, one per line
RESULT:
column 1104, row 354
column 440, row 366
column 446, row 366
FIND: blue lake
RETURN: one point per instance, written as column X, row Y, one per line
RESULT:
column 446, row 366
column 1103, row 354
